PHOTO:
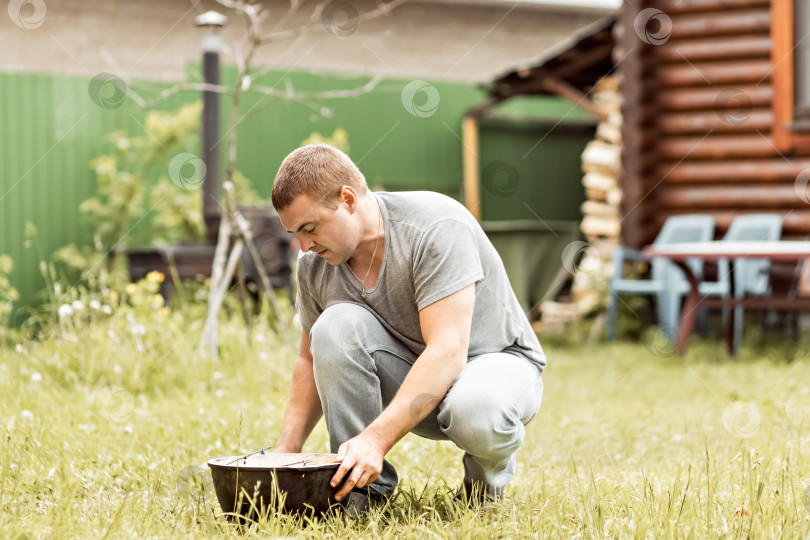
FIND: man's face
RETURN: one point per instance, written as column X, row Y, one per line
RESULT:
column 329, row 233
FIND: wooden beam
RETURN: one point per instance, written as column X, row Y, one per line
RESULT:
column 708, row 49
column 722, row 23
column 479, row 110
column 682, row 99
column 716, row 147
column 732, row 196
column 565, row 90
column 672, row 7
column 583, row 61
column 732, row 170
column 715, row 73
column 741, row 120
column 472, row 175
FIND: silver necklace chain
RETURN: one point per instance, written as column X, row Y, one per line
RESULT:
column 373, row 254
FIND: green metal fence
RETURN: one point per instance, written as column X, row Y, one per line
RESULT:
column 51, row 130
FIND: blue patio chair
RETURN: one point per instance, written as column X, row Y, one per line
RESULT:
column 668, row 282
column 751, row 276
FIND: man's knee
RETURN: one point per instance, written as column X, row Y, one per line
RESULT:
column 485, row 425
column 342, row 328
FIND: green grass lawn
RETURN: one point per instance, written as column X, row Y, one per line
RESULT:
column 102, row 420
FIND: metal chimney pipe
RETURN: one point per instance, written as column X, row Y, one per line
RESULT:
column 211, row 133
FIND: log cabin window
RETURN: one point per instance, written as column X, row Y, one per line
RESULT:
column 790, row 35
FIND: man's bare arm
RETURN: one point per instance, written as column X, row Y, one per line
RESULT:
column 445, row 327
column 303, row 403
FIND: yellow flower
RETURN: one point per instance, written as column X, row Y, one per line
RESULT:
column 164, row 310
column 157, row 300
column 155, row 276
column 113, row 296
column 131, row 289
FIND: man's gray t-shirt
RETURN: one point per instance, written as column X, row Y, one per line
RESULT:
column 434, row 247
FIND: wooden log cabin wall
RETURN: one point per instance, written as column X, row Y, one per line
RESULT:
column 703, row 111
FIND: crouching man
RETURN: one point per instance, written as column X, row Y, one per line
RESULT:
column 409, row 324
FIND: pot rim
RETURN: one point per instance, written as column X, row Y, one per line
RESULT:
column 231, row 464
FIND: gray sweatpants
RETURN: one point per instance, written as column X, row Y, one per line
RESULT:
column 359, row 366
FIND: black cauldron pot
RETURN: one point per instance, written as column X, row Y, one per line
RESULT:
column 261, row 484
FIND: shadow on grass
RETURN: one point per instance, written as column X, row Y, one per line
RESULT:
column 409, row 507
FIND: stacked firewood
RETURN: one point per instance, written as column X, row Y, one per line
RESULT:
column 590, row 261
column 601, row 222
column 601, row 163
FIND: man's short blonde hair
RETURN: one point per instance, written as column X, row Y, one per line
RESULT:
column 317, row 170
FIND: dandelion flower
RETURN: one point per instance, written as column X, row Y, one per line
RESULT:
column 131, row 289
column 78, row 305
column 95, row 304
column 65, row 311
column 155, row 277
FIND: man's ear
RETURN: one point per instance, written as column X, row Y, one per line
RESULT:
column 349, row 198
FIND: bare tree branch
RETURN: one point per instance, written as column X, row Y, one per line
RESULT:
column 179, row 87
column 289, row 93
column 289, row 14
column 255, row 15
column 310, row 99
column 296, row 95
column 251, row 13
column 381, row 9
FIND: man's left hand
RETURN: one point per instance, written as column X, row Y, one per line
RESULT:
column 361, row 456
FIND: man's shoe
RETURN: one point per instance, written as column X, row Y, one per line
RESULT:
column 479, row 494
column 360, row 502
